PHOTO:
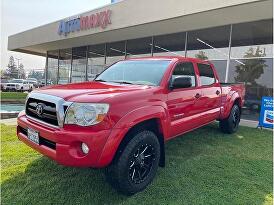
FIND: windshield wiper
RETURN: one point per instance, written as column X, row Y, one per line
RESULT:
column 100, row 80
column 122, row 82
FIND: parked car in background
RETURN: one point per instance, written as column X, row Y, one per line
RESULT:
column 33, row 81
column 41, row 83
column 3, row 83
column 122, row 119
column 19, row 85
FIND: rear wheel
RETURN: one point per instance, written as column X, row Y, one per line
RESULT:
column 231, row 124
column 136, row 167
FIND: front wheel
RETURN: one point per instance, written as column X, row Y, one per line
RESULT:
column 136, row 167
column 231, row 124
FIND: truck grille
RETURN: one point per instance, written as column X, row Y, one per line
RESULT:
column 42, row 110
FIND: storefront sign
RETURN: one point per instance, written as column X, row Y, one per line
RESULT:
column 100, row 19
column 266, row 114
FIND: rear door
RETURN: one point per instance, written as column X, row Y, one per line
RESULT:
column 183, row 102
column 211, row 93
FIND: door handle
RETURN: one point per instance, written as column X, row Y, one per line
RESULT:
column 197, row 95
column 217, row 92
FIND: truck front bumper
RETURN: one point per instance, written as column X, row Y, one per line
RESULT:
column 64, row 144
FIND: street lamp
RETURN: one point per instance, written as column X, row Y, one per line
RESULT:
column 18, row 59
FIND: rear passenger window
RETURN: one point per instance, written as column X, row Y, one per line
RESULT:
column 185, row 70
column 206, row 74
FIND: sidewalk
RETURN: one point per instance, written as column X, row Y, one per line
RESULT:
column 11, row 121
column 248, row 123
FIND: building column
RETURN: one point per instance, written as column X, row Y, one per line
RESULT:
column 126, row 49
column 46, row 69
column 87, row 64
column 105, row 54
column 58, row 67
column 152, row 45
column 71, row 58
column 229, row 53
column 186, row 39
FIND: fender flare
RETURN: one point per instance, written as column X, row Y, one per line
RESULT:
column 128, row 121
column 230, row 102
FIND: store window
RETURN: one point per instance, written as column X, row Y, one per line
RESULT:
column 252, row 40
column 209, row 43
column 115, row 52
column 257, row 76
column 139, row 47
column 64, row 66
column 96, row 60
column 171, row 45
column 252, row 63
column 52, row 70
column 79, row 64
column 220, row 66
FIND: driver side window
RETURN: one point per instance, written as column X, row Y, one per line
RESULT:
column 185, row 69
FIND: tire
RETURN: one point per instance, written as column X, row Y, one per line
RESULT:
column 137, row 165
column 231, row 124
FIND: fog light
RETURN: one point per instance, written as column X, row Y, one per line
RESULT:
column 85, row 148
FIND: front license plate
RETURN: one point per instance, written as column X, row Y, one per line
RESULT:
column 33, row 136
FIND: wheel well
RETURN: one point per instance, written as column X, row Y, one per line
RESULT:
column 152, row 125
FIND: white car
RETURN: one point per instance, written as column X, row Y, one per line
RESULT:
column 18, row 85
column 33, row 81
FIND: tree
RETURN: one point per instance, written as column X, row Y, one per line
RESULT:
column 251, row 69
column 201, row 55
column 4, row 74
column 12, row 70
column 36, row 74
column 21, row 71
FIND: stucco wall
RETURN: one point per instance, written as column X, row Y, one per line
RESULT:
column 132, row 19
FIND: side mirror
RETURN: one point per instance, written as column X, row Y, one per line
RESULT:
column 181, row 82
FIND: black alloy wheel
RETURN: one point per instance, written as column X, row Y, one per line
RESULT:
column 141, row 163
column 135, row 166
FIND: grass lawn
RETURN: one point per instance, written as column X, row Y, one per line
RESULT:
column 203, row 167
column 13, row 95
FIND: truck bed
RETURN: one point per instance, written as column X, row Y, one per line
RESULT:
column 228, row 84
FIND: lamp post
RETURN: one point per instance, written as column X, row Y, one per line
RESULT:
column 18, row 59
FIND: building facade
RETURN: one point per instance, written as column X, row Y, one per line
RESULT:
column 236, row 36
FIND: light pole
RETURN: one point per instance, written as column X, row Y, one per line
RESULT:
column 18, row 59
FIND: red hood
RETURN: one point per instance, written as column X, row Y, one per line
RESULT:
column 86, row 91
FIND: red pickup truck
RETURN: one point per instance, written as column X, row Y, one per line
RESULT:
column 122, row 119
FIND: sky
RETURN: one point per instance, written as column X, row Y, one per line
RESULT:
column 21, row 15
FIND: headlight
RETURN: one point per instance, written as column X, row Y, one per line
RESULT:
column 86, row 114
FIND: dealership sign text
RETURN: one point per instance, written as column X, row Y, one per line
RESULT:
column 100, row 19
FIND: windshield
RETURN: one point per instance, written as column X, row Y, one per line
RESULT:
column 143, row 72
column 16, row 81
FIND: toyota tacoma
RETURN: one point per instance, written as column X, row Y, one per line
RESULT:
column 122, row 120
